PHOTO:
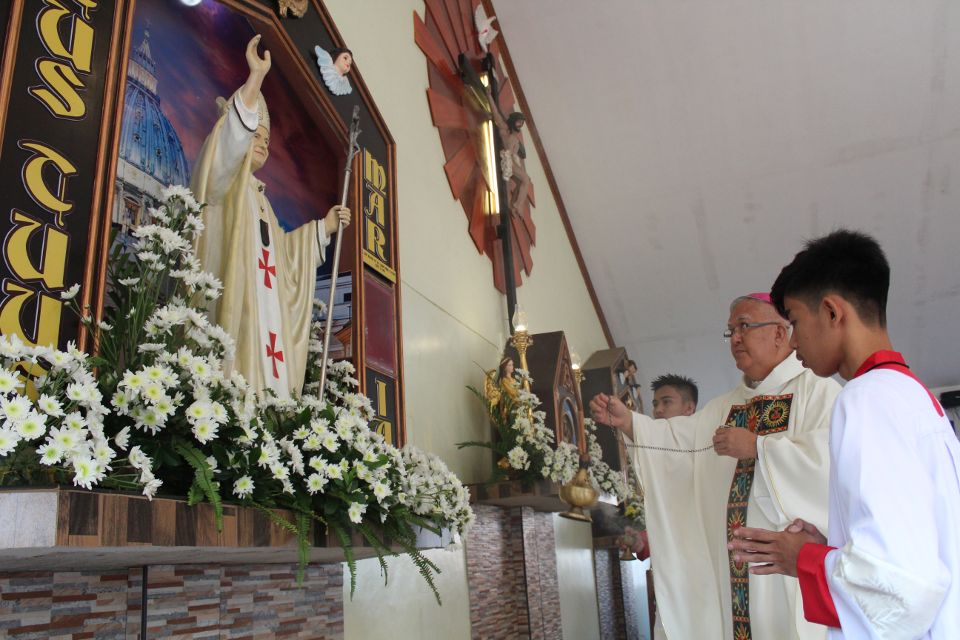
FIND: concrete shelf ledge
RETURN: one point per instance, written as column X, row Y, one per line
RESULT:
column 69, row 530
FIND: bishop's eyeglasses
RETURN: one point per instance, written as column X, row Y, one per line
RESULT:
column 743, row 327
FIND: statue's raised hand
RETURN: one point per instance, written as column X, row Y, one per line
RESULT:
column 258, row 65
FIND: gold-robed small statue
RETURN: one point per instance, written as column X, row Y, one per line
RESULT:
column 501, row 389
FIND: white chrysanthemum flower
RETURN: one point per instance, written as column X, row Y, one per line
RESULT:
column 122, row 439
column 334, row 472
column 330, row 442
column 150, row 487
column 518, row 458
column 16, row 408
column 150, row 420
column 120, row 402
column 132, row 380
column 129, row 282
column 312, row 442
column 205, row 431
column 137, row 458
column 356, row 511
column 153, row 391
column 243, row 486
column 212, row 463
column 86, row 472
column 315, row 483
column 164, row 406
column 363, row 472
column 9, row 382
column 33, row 426
column 279, row 471
column 103, row 454
column 66, row 438
column 199, row 410
column 50, row 453
column 50, row 405
column 9, row 439
column 219, row 412
column 70, row 293
column 381, row 491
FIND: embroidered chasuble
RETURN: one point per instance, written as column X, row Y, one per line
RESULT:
column 268, row 274
column 692, row 500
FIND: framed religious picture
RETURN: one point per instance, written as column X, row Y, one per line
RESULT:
column 162, row 92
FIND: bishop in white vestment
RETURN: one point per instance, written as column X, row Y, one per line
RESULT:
column 696, row 493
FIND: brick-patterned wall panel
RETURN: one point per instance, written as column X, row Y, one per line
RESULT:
column 495, row 575
column 543, row 591
column 64, row 605
column 264, row 601
column 610, row 594
column 183, row 602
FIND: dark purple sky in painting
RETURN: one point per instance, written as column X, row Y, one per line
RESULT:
column 200, row 55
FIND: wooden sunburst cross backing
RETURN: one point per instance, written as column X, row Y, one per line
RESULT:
column 446, row 35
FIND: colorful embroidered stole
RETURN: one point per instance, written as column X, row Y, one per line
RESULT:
column 762, row 415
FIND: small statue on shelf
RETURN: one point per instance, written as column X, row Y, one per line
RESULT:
column 501, row 389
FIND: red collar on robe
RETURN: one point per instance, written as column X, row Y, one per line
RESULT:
column 886, row 359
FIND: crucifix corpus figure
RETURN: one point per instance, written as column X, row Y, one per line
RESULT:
column 268, row 274
column 512, row 154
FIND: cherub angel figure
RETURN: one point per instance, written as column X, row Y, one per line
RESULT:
column 334, row 68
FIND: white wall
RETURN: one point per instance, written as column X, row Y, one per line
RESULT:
column 453, row 317
column 575, row 577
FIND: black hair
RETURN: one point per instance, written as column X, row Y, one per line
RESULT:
column 336, row 53
column 848, row 263
column 513, row 119
column 685, row 386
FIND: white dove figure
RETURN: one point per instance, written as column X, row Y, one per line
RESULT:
column 338, row 83
column 485, row 32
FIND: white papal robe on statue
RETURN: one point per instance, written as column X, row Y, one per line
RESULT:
column 692, row 500
column 268, row 274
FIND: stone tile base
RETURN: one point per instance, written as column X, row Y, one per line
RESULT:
column 183, row 602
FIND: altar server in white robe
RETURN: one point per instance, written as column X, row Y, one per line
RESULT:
column 890, row 566
column 268, row 274
column 755, row 456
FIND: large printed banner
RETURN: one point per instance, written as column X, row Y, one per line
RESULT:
column 55, row 60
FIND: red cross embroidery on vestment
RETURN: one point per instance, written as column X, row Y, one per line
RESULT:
column 268, row 269
column 273, row 354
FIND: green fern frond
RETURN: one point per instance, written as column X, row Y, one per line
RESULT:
column 203, row 478
column 344, row 539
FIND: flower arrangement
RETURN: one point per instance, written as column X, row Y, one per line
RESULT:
column 523, row 447
column 608, row 480
column 173, row 420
